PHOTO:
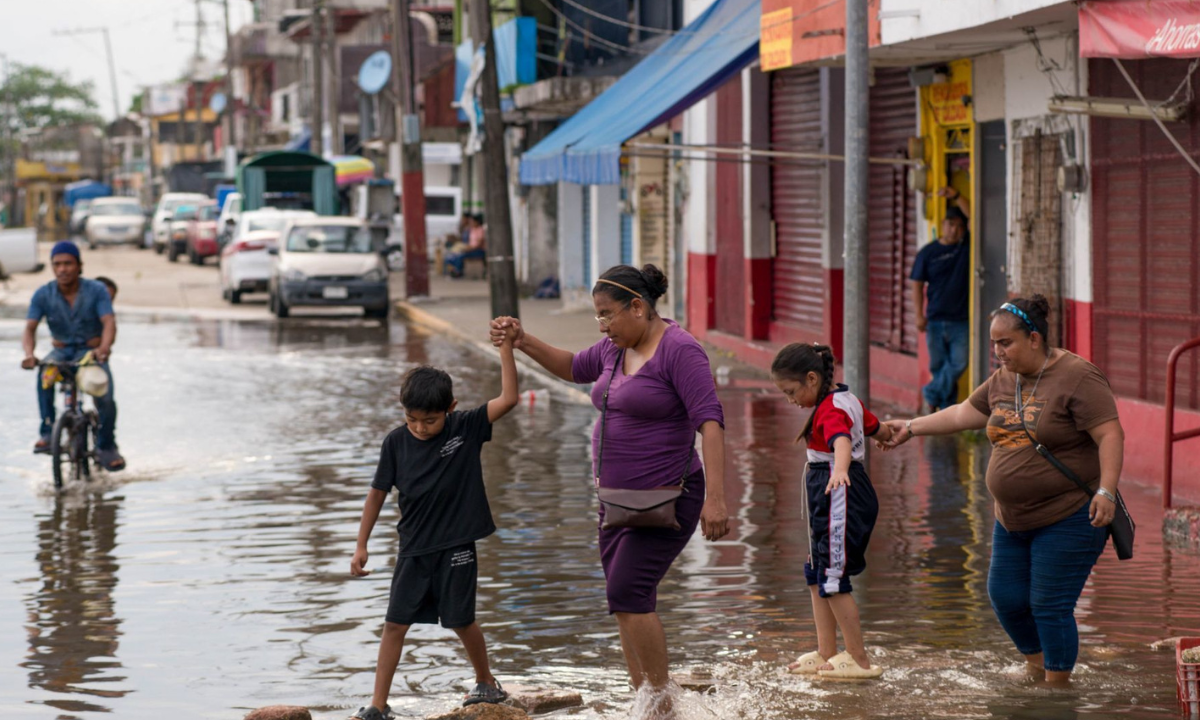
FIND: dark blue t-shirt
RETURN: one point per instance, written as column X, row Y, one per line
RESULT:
column 946, row 272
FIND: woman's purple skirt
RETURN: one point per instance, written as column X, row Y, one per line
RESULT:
column 636, row 559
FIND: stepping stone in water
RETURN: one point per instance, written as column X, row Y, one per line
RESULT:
column 697, row 680
column 280, row 712
column 536, row 700
column 483, row 711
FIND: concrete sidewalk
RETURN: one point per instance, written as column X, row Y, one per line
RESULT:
column 461, row 308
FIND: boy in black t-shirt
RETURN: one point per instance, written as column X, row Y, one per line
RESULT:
column 433, row 463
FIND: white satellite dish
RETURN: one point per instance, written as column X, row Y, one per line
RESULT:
column 375, row 72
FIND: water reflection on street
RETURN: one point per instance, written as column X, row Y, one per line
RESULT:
column 211, row 577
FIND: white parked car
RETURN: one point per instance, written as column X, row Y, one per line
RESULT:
column 160, row 226
column 443, row 212
column 245, row 260
column 114, row 220
column 328, row 261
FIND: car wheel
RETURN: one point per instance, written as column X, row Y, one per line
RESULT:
column 380, row 313
column 235, row 297
column 91, row 245
column 277, row 304
column 158, row 249
column 172, row 254
column 196, row 259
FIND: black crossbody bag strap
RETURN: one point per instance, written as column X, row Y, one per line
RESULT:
column 604, row 417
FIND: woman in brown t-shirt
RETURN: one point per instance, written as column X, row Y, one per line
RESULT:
column 1048, row 534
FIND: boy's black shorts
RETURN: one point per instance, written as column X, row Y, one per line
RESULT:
column 437, row 585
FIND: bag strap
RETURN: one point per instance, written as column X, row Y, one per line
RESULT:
column 603, row 421
column 1045, row 452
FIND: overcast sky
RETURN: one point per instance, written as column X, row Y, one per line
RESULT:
column 152, row 40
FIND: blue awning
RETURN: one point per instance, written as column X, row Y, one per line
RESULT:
column 587, row 148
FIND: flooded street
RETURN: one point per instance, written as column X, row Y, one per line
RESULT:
column 212, row 576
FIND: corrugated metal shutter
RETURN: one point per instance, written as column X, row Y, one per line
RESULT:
column 587, row 236
column 892, row 213
column 731, row 252
column 1145, row 238
column 797, row 200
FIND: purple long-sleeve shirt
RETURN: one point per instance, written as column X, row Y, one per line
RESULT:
column 653, row 416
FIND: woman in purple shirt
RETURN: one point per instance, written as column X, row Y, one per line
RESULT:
column 661, row 395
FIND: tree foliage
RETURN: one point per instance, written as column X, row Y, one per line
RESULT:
column 39, row 98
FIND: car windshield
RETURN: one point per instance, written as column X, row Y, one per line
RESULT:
column 113, row 209
column 184, row 212
column 273, row 223
column 329, row 239
column 82, row 205
column 209, row 212
column 173, row 204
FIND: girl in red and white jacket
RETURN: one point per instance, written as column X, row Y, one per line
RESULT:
column 842, row 506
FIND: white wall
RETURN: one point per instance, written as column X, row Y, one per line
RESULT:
column 606, row 229
column 570, row 241
column 903, row 20
column 1027, row 90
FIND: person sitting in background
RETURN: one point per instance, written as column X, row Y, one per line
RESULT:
column 476, row 247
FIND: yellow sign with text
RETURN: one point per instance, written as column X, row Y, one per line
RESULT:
column 950, row 101
column 775, row 40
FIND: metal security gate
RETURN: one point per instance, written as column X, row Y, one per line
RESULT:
column 798, row 201
column 731, row 265
column 1145, row 238
column 892, row 213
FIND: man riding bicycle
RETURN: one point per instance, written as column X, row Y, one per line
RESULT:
column 80, row 316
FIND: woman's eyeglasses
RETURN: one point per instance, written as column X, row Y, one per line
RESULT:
column 607, row 320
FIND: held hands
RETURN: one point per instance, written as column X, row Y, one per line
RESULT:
column 29, row 363
column 1102, row 511
column 714, row 519
column 507, row 329
column 358, row 562
column 839, row 478
column 899, row 435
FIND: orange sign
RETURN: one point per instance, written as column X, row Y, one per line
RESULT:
column 814, row 30
column 775, row 43
column 949, row 101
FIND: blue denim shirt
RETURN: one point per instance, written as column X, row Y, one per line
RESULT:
column 72, row 326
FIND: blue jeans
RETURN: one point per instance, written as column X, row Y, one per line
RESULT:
column 949, row 342
column 1035, row 580
column 456, row 260
column 106, row 407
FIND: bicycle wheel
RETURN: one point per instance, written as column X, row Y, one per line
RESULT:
column 69, row 445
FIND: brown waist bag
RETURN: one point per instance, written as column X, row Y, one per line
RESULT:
column 653, row 508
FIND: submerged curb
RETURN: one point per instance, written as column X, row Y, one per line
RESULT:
column 426, row 319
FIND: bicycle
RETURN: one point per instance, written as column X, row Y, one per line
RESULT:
column 74, row 427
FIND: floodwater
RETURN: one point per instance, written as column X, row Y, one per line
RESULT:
column 211, row 577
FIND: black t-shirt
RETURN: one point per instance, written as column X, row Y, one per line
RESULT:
column 946, row 272
column 439, row 483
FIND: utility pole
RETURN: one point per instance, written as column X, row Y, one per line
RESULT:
column 229, row 106
column 856, row 359
column 318, row 105
column 10, row 174
column 335, row 85
column 501, row 270
column 112, row 68
column 412, row 164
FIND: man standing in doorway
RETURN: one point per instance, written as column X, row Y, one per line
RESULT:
column 941, row 275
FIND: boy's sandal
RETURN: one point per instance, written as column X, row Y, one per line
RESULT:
column 806, row 664
column 484, row 693
column 845, row 667
column 370, row 712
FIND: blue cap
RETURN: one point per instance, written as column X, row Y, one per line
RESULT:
column 64, row 247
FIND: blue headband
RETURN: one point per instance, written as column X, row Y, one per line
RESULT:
column 1021, row 314
column 64, row 247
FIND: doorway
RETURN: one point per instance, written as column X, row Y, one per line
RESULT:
column 991, row 244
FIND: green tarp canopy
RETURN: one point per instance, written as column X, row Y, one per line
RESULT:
column 299, row 174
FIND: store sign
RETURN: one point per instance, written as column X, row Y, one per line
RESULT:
column 775, row 42
column 795, row 32
column 949, row 102
column 1136, row 29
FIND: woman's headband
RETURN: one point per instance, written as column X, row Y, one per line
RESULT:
column 617, row 284
column 1009, row 307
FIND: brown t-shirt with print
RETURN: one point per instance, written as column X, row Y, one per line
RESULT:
column 1072, row 397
